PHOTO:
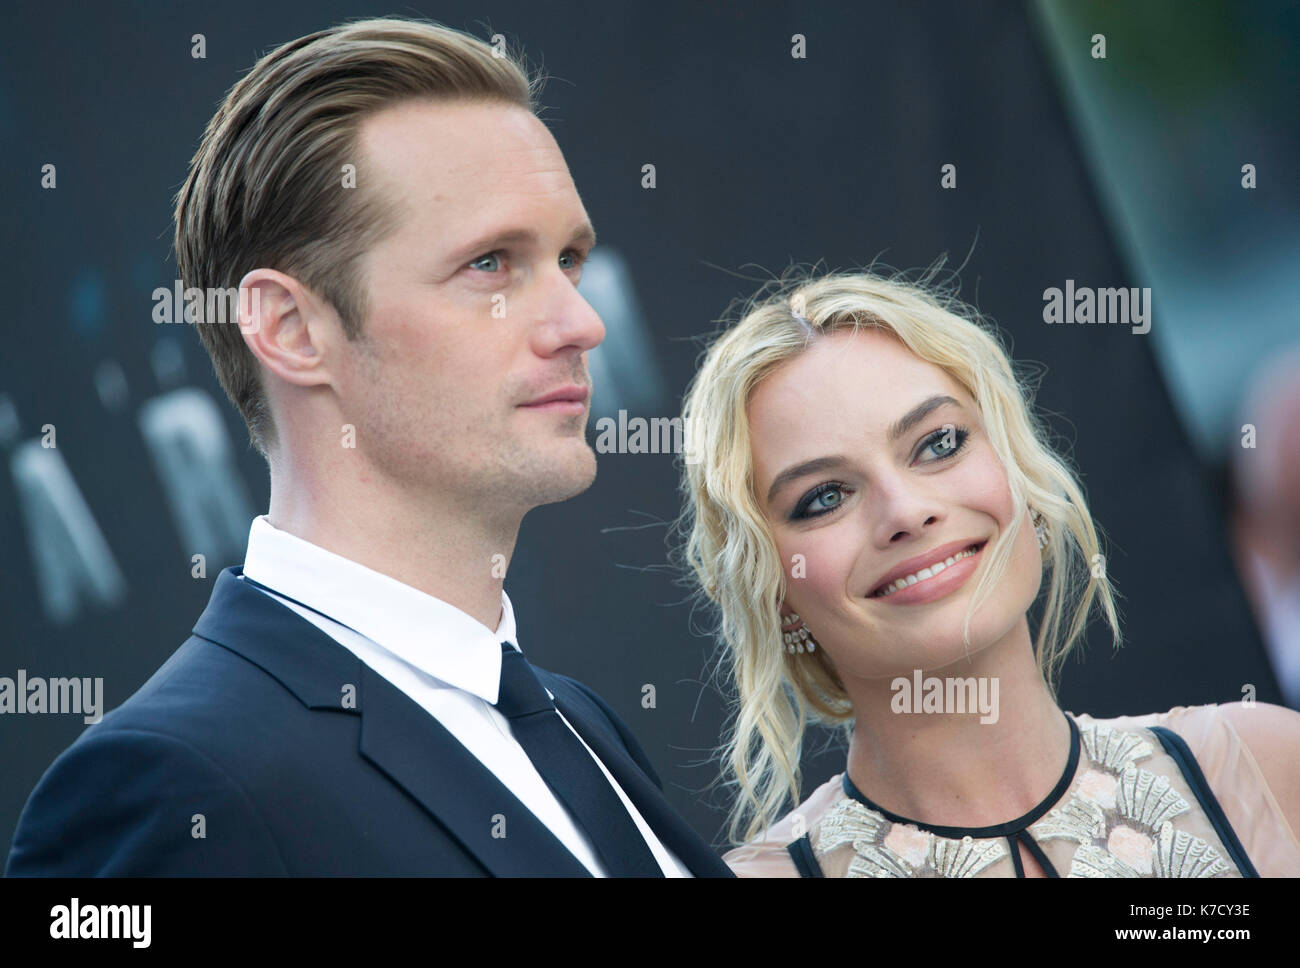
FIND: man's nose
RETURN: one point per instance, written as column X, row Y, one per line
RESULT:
column 568, row 321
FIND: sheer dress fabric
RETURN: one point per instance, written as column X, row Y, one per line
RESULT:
column 1130, row 807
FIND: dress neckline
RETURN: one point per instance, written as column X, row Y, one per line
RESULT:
column 997, row 830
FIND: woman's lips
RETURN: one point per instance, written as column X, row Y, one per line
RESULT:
column 938, row 585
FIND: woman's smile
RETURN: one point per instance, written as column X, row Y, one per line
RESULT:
column 938, row 579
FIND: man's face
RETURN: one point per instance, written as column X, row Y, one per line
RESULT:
column 466, row 328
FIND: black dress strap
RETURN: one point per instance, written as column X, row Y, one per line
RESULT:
column 1031, row 845
column 801, row 853
column 1015, row 856
column 1008, row 829
column 1177, row 748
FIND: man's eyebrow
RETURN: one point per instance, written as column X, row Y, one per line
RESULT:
column 818, row 464
column 584, row 235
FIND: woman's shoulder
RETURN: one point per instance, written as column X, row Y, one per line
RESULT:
column 1216, row 731
column 1194, row 719
column 1249, row 755
column 1223, row 737
column 766, row 855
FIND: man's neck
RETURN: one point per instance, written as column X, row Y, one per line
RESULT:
column 440, row 549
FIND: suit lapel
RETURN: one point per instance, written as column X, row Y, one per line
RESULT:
column 404, row 741
column 418, row 754
column 668, row 825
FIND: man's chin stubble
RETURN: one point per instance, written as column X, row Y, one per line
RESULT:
column 532, row 481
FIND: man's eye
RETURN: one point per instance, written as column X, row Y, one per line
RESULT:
column 493, row 258
column 572, row 259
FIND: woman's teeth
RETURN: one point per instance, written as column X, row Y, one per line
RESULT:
column 925, row 573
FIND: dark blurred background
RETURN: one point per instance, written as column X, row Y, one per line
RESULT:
column 1169, row 163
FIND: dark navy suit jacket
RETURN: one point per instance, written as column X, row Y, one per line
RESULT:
column 244, row 735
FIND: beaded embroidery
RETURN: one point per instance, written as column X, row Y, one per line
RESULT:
column 1121, row 815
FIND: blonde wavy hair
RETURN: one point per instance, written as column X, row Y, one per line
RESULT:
column 730, row 555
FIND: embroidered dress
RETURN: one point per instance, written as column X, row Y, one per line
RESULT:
column 1133, row 801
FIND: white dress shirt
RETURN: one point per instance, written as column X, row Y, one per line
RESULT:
column 446, row 661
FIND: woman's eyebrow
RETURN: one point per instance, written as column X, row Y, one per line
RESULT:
column 813, row 466
column 919, row 413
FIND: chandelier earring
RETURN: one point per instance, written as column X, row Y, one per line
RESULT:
column 795, row 634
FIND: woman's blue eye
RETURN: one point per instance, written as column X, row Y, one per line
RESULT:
column 491, row 255
column 950, row 439
column 824, row 498
column 818, row 501
column 573, row 260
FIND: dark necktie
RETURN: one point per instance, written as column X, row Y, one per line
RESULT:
column 570, row 771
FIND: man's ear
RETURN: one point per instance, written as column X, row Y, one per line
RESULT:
column 285, row 326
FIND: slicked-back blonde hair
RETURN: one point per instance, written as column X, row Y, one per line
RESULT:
column 731, row 554
column 266, row 186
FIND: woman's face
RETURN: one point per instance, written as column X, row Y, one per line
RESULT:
column 861, row 469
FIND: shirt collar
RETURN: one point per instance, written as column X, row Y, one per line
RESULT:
column 435, row 637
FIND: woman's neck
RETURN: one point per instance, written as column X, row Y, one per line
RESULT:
column 985, row 766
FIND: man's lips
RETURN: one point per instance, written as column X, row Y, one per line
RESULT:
column 568, row 399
